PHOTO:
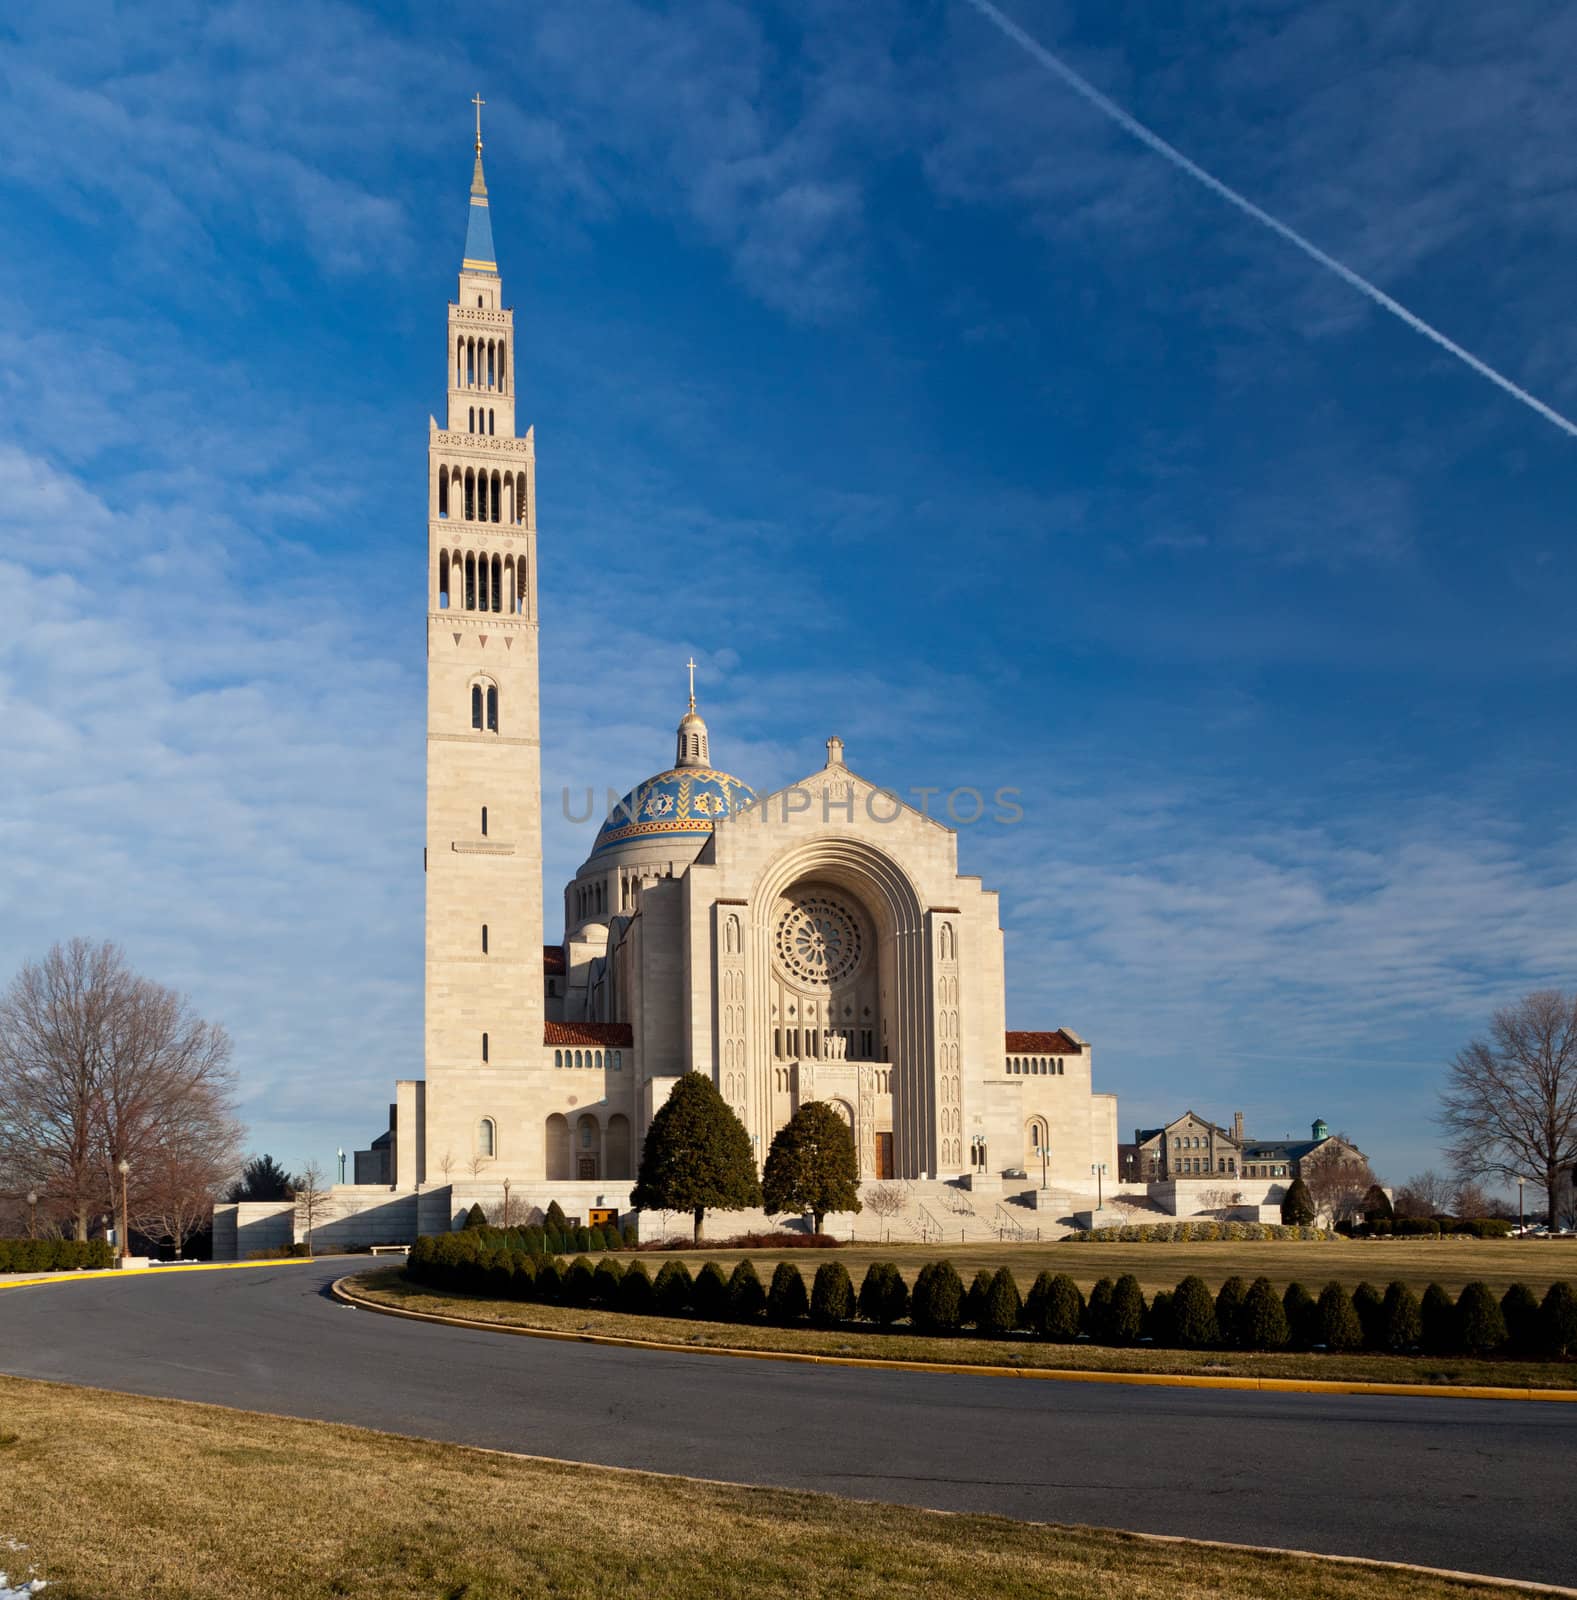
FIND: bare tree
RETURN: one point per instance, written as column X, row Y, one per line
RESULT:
column 98, row 1065
column 1509, row 1107
column 1472, row 1199
column 446, row 1164
column 312, row 1200
column 884, row 1200
column 176, row 1192
column 1337, row 1179
column 1425, row 1194
column 1220, row 1199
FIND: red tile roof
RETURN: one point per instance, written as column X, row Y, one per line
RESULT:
column 1056, row 1043
column 553, row 960
column 615, row 1033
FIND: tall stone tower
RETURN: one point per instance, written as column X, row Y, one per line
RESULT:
column 484, row 995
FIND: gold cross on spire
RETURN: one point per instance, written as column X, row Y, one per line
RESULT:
column 691, row 665
column 478, row 102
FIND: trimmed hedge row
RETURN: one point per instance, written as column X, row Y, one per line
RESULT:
column 1240, row 1315
column 54, row 1255
column 1433, row 1228
column 1196, row 1232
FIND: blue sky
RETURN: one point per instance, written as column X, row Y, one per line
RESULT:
column 916, row 400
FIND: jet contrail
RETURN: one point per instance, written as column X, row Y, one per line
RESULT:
column 1089, row 92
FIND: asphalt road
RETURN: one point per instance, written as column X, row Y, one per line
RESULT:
column 1480, row 1485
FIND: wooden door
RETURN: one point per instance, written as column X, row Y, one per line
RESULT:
column 884, row 1155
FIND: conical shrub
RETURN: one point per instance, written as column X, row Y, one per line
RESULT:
column 974, row 1301
column 1194, row 1314
column 577, row 1283
column 1437, row 1318
column 672, row 1290
column 605, row 1283
column 1262, row 1319
column 1369, row 1303
column 1158, row 1319
column 884, row 1296
column 635, row 1291
column 1097, row 1313
column 831, row 1295
column 1340, row 1328
column 937, row 1304
column 1054, row 1308
column 1001, row 1306
column 1481, row 1328
column 524, row 1284
column 787, row 1302
column 1125, row 1314
column 1229, row 1307
column 1303, row 1319
column 1558, row 1320
column 747, row 1299
column 1519, row 1306
column 709, row 1293
column 1404, row 1323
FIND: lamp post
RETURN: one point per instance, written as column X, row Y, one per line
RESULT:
column 1044, row 1152
column 1522, row 1221
column 341, row 1155
column 123, row 1166
column 1098, row 1172
column 506, row 1204
column 32, row 1213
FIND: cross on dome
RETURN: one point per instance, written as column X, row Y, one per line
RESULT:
column 691, row 665
column 478, row 102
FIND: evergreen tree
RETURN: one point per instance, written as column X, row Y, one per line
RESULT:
column 747, row 1300
column 1262, row 1319
column 1481, row 1328
column 1340, row 1328
column 1403, row 1321
column 635, row 1291
column 709, row 1293
column 831, row 1295
column 262, row 1178
column 811, row 1165
column 1377, row 1207
column 787, row 1303
column 1097, row 1313
column 550, row 1281
column 577, row 1283
column 975, row 1299
column 1303, row 1317
column 1125, row 1314
column 1369, row 1303
column 1437, row 1316
column 524, row 1286
column 884, row 1296
column 1158, row 1319
column 1519, row 1306
column 1558, row 1320
column 476, row 1217
column 671, row 1292
column 555, row 1220
column 1054, row 1308
column 1194, row 1314
column 697, row 1155
column 1000, row 1308
column 1297, row 1206
column 605, row 1283
column 1229, row 1307
column 937, row 1304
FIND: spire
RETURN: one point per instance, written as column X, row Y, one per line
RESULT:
column 694, row 749
column 479, row 233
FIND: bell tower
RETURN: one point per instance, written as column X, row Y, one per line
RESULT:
column 484, row 994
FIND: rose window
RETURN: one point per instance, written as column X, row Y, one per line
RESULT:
column 818, row 942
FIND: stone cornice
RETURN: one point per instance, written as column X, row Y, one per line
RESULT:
column 502, row 317
column 480, row 847
column 481, row 443
column 443, row 526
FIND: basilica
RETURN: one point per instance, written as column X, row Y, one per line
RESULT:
column 815, row 942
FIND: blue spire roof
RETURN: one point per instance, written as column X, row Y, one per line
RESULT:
column 479, row 232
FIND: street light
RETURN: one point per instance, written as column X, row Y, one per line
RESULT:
column 123, row 1167
column 1045, row 1150
column 341, row 1155
column 1098, row 1172
column 506, row 1204
column 1522, row 1221
column 32, row 1213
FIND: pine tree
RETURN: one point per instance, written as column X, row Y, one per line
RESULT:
column 635, row 1291
column 884, row 1296
column 1262, row 1319
column 1001, row 1307
column 605, row 1283
column 975, row 1299
column 1481, row 1328
column 555, row 1220
column 1194, row 1314
column 476, row 1217
column 1369, row 1303
column 1340, row 1328
column 937, row 1304
column 262, row 1178
column 811, row 1165
column 1229, row 1306
column 1519, row 1306
column 1377, row 1207
column 1125, row 1315
column 577, row 1283
column 1403, row 1321
column 671, row 1292
column 1437, row 1316
column 1097, row 1312
column 786, row 1300
column 697, row 1155
column 831, row 1295
column 747, row 1300
column 1297, row 1206
column 1158, row 1319
column 1303, row 1317
column 709, row 1293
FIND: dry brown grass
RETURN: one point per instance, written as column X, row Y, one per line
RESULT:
column 115, row 1495
column 390, row 1286
column 1418, row 1262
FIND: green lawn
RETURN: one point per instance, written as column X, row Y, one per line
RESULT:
column 114, row 1495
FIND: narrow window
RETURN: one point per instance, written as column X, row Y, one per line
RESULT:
column 503, row 365
column 492, row 427
column 558, row 1055
column 484, row 822
column 486, row 1144
column 443, row 491
column 470, row 495
column 476, row 708
column 484, row 1047
column 484, row 938
column 492, row 708
column 498, row 575
column 470, row 426
column 443, row 580
column 470, row 582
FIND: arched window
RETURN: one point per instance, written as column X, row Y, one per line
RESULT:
column 498, row 582
column 494, row 502
column 470, row 363
column 481, row 584
column 492, row 708
column 481, row 497
column 486, row 1137
column 470, row 425
column 476, row 706
column 558, row 1055
column 492, row 427
column 459, row 363
column 470, row 495
column 503, row 365
column 598, row 1062
column 443, row 580
column 470, row 582
column 443, row 491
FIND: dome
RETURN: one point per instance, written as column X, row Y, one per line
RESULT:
column 681, row 803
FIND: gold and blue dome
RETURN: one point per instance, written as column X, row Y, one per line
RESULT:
column 682, row 803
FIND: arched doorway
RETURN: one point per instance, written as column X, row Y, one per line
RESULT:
column 558, row 1151
column 588, row 1147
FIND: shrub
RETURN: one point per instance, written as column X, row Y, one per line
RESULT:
column 1055, row 1308
column 747, row 1300
column 1262, row 1319
column 1558, row 1320
column 593, row 1245
column 1125, row 1313
column 1377, row 1208
column 1402, row 1323
column 476, row 1217
column 1437, row 1318
column 1303, row 1318
column 1097, row 1313
column 1480, row 1326
column 1158, row 1319
column 884, row 1296
column 550, row 1280
column 937, row 1304
column 1369, row 1303
column 577, row 1283
column 55, row 1255
column 629, row 1236
column 635, row 1291
column 1193, row 1314
column 555, row 1220
column 1519, row 1307
column 605, row 1283
column 523, row 1285
column 786, row 1299
column 1297, row 1206
column 671, row 1292
column 709, row 1293
column 1001, row 1307
column 1339, row 1326
column 1229, row 1308
column 975, row 1299
column 1486, row 1228
column 500, row 1276
column 831, row 1295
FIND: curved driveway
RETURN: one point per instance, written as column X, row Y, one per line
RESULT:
column 1480, row 1485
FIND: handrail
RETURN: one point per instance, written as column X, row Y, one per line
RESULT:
column 1010, row 1224
column 927, row 1224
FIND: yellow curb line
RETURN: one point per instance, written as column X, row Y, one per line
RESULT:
column 1159, row 1380
column 77, row 1276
